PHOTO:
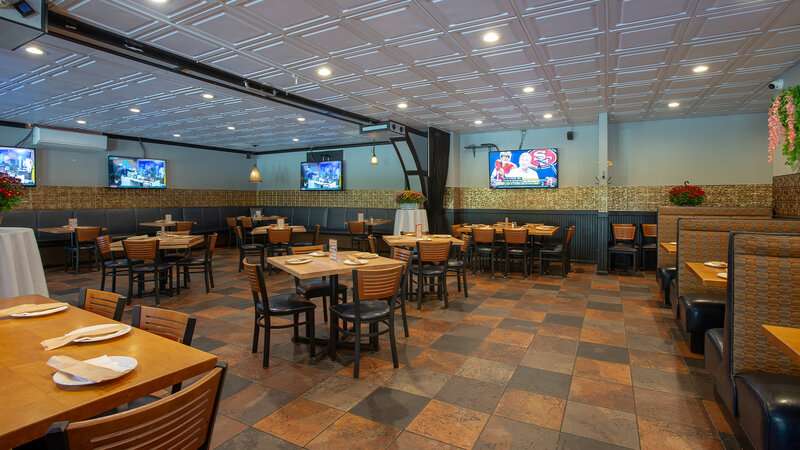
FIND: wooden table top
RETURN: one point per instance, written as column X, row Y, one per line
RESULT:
column 373, row 222
column 160, row 223
column 707, row 274
column 322, row 266
column 532, row 231
column 262, row 218
column 785, row 338
column 168, row 242
column 669, row 247
column 32, row 401
column 263, row 230
column 65, row 229
column 411, row 241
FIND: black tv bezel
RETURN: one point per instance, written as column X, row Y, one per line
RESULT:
column 341, row 176
column 33, row 151
column 558, row 177
column 136, row 159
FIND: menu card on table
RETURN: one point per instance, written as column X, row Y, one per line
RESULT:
column 418, row 229
column 258, row 213
column 72, row 223
column 332, row 249
column 360, row 217
column 280, row 223
column 168, row 218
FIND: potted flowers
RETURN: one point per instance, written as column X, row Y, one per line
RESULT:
column 784, row 126
column 409, row 199
column 686, row 195
column 10, row 193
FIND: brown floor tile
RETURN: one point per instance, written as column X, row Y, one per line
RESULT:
column 296, row 379
column 604, row 371
column 438, row 360
column 253, row 403
column 482, row 320
column 717, row 417
column 604, row 315
column 522, row 314
column 510, row 337
column 683, row 348
column 657, row 434
column 495, row 351
column 529, row 407
column 602, row 393
column 224, row 429
column 554, row 345
column 299, row 421
column 372, row 370
column 417, row 381
column 672, row 408
column 340, row 392
column 485, row 370
column 418, row 338
column 216, row 312
column 449, row 423
column 559, row 331
column 351, row 431
column 472, row 394
column 500, row 303
column 659, row 380
column 411, row 441
column 602, row 424
column 555, row 362
column 604, row 337
column 660, row 361
column 435, row 326
column 505, row 433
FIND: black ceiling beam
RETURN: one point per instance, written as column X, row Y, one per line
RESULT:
column 324, row 147
column 122, row 137
column 85, row 34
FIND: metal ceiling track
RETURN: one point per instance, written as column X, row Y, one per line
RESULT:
column 89, row 35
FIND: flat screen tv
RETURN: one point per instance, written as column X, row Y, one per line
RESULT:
column 321, row 176
column 19, row 163
column 536, row 168
column 142, row 173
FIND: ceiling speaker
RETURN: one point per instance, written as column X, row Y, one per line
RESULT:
column 570, row 135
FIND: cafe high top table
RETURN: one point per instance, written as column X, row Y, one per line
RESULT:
column 323, row 266
column 32, row 401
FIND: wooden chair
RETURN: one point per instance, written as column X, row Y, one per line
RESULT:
column 185, row 419
column 83, row 242
column 357, row 234
column 108, row 265
column 431, row 268
column 247, row 249
column 484, row 247
column 371, row 241
column 146, row 250
column 200, row 264
column 278, row 305
column 106, row 304
column 624, row 243
column 313, row 241
column 317, row 288
column 557, row 252
column 458, row 264
column 280, row 240
column 371, row 289
column 517, row 247
column 183, row 225
column 404, row 255
column 247, row 228
column 649, row 240
column 231, row 222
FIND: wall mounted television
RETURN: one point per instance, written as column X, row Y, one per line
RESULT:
column 141, row 173
column 537, row 168
column 19, row 163
column 321, row 176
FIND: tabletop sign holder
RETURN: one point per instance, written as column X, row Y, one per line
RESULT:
column 258, row 214
column 418, row 229
column 360, row 217
column 280, row 223
column 72, row 223
column 332, row 249
column 506, row 221
column 168, row 218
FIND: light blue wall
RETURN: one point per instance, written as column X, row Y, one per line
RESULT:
column 187, row 168
column 281, row 172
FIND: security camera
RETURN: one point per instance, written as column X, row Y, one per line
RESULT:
column 777, row 84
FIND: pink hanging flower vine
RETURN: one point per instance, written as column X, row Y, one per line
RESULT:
column 783, row 122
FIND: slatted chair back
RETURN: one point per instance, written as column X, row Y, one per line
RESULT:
column 402, row 254
column 435, row 251
column 247, row 222
column 516, row 235
column 306, row 249
column 146, row 249
column 87, row 234
column 103, row 244
column 623, row 233
column 649, row 230
column 173, row 325
column 371, row 240
column 316, row 235
column 106, row 304
column 184, row 225
column 763, row 289
column 239, row 236
column 255, row 277
column 356, row 227
column 181, row 420
column 279, row 235
column 211, row 244
column 231, row 221
column 376, row 284
column 570, row 234
column 465, row 246
column 455, row 228
column 483, row 235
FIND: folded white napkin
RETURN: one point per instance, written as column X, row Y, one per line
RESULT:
column 101, row 369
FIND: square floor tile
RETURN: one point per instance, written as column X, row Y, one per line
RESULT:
column 602, row 393
column 602, row 306
column 372, row 370
column 390, row 406
column 602, row 424
column 449, row 423
column 554, row 362
column 602, row 352
column 456, row 344
column 253, row 403
column 540, row 381
column 659, row 380
column 564, row 320
column 299, row 421
column 486, row 370
column 417, row 381
column 438, row 360
column 296, row 379
column 339, row 392
column 510, row 337
column 354, row 432
column 469, row 331
column 672, row 408
column 413, row 441
column 473, row 394
column 655, row 433
column 602, row 370
column 571, row 442
column 254, row 438
column 505, row 433
column 532, row 408
column 495, row 351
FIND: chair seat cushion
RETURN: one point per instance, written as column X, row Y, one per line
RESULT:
column 650, row 246
column 455, row 263
column 117, row 263
column 318, row 288
column 150, row 267
column 287, row 303
column 517, row 251
column 482, row 249
column 665, row 274
column 370, row 310
column 713, row 352
column 623, row 248
column 701, row 312
column 552, row 248
column 427, row 270
column 195, row 261
column 252, row 246
column 768, row 405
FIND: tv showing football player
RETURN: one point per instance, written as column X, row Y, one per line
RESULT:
column 535, row 168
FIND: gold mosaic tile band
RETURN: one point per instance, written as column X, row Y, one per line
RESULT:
column 364, row 198
column 84, row 197
column 786, row 195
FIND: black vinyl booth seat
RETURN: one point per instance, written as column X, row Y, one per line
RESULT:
column 664, row 277
column 769, row 409
column 698, row 313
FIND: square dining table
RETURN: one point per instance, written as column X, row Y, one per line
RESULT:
column 707, row 274
column 411, row 240
column 32, row 401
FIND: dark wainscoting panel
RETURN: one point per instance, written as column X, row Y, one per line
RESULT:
column 631, row 217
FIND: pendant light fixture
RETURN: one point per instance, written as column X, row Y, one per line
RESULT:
column 374, row 161
column 255, row 175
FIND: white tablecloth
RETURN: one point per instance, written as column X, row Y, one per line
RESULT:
column 21, row 271
column 407, row 220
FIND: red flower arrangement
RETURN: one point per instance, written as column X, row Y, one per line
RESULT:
column 11, row 191
column 686, row 195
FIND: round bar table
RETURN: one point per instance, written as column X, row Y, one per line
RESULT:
column 407, row 220
column 21, row 271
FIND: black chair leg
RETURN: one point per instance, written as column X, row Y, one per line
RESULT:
column 311, row 334
column 103, row 280
column 357, row 348
column 334, row 336
column 443, row 284
column 392, row 342
column 208, row 281
column 211, row 274
column 267, row 330
column 296, row 326
column 464, row 275
column 325, row 308
column 255, row 336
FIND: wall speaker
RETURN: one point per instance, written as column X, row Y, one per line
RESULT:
column 570, row 135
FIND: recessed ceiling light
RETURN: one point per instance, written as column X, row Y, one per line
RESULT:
column 402, row 105
column 478, row 122
column 699, row 69
column 135, row 110
column 231, row 127
column 527, row 89
column 176, row 135
column 81, row 122
column 490, row 37
column 548, row 116
column 159, row 1
column 301, row 119
column 673, row 104
column 295, row 139
column 208, row 96
column 324, row 71
column 35, row 50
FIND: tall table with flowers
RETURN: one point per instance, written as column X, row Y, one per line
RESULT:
column 21, row 271
column 409, row 215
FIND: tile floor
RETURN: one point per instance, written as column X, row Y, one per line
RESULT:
column 584, row 362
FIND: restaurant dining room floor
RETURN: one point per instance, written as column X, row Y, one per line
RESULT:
column 586, row 362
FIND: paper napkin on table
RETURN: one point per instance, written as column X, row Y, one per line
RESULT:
column 50, row 344
column 29, row 308
column 100, row 370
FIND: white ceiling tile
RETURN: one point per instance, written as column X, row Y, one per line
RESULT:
column 566, row 21
column 228, row 27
